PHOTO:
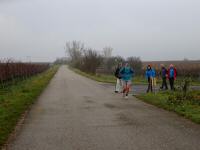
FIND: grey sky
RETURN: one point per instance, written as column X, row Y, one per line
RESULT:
column 151, row 29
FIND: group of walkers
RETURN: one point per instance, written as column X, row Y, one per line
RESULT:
column 124, row 74
column 170, row 74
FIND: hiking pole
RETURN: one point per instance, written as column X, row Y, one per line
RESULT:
column 152, row 84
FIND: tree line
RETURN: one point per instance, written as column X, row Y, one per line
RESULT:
column 92, row 61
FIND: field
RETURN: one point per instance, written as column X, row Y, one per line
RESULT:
column 12, row 71
column 107, row 78
column 184, row 68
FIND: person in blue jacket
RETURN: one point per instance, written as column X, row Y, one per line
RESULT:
column 127, row 74
column 150, row 75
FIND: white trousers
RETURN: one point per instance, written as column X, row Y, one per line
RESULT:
column 118, row 86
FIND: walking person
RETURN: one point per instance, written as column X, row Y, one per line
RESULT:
column 118, row 86
column 150, row 75
column 164, row 74
column 126, row 73
column 172, row 73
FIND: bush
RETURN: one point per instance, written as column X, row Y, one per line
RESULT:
column 183, row 94
column 90, row 61
column 109, row 64
column 176, row 99
column 87, row 60
column 136, row 64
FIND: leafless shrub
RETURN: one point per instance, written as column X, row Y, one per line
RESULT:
column 136, row 64
column 85, row 59
column 91, row 60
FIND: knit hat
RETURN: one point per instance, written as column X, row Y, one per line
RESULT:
column 171, row 65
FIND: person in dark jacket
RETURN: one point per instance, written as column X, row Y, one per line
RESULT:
column 164, row 74
column 118, row 86
column 172, row 73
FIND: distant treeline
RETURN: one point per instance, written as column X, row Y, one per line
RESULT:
column 102, row 62
column 96, row 62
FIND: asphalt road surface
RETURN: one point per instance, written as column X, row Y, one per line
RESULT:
column 76, row 113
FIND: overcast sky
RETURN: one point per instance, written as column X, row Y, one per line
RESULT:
column 151, row 29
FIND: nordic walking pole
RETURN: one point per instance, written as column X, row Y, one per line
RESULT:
column 154, row 85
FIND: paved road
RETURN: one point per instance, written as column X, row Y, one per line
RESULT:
column 76, row 113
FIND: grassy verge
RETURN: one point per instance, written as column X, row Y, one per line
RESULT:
column 16, row 99
column 107, row 78
column 137, row 80
column 99, row 78
column 188, row 108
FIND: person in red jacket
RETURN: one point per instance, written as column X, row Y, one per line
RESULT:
column 172, row 73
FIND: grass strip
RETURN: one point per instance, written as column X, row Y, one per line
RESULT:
column 188, row 110
column 137, row 80
column 16, row 99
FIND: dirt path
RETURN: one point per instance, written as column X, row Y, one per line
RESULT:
column 76, row 113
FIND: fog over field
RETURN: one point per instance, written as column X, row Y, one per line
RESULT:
column 152, row 29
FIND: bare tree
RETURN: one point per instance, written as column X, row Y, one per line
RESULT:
column 91, row 61
column 107, row 51
column 75, row 50
column 111, row 63
column 136, row 64
column 185, row 59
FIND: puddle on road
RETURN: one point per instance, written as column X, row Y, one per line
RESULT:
column 110, row 106
column 122, row 106
column 129, row 121
column 88, row 99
